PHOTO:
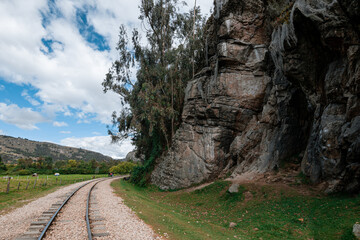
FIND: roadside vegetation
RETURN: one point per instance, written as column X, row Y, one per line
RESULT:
column 24, row 189
column 259, row 212
column 123, row 168
column 46, row 165
column 18, row 186
column 164, row 59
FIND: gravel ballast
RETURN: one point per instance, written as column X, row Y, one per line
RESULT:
column 17, row 222
column 117, row 221
column 70, row 222
column 120, row 221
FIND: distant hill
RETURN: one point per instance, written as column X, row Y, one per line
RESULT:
column 12, row 149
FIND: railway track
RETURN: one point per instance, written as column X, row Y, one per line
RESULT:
column 39, row 229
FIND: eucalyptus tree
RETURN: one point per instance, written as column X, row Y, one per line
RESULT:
column 153, row 98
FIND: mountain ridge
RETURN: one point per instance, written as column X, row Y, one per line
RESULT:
column 12, row 148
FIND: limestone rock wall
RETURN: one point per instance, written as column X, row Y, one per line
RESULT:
column 260, row 102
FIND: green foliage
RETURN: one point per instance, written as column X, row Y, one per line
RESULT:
column 25, row 163
column 141, row 174
column 123, row 168
column 152, row 104
column 46, row 166
column 206, row 213
column 2, row 165
column 304, row 179
column 24, row 172
column 72, row 163
column 233, row 198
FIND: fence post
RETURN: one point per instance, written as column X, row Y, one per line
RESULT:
column 8, row 185
column 45, row 182
column 19, row 185
column 35, row 183
column 27, row 185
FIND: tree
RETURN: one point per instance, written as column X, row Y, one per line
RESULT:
column 60, row 164
column 25, row 163
column 93, row 164
column 2, row 165
column 72, row 163
column 151, row 105
column 123, row 168
column 48, row 162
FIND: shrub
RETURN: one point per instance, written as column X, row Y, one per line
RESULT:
column 24, row 172
column 140, row 176
column 123, row 168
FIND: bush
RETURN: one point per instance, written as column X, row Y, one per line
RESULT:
column 123, row 168
column 24, row 172
column 141, row 175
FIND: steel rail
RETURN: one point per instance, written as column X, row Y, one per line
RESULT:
column 87, row 210
column 58, row 210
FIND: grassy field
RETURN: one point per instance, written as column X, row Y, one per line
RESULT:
column 260, row 212
column 44, row 185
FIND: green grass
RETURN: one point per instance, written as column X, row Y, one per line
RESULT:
column 272, row 212
column 16, row 198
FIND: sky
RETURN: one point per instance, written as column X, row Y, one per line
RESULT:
column 54, row 55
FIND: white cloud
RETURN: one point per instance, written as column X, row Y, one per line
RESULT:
column 65, row 132
column 67, row 80
column 101, row 144
column 60, row 124
column 71, row 75
column 31, row 100
column 2, row 132
column 24, row 118
column 2, row 87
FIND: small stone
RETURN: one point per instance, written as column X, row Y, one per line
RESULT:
column 256, row 229
column 356, row 230
column 234, row 188
column 232, row 225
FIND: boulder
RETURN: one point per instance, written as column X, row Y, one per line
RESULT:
column 234, row 188
column 356, row 230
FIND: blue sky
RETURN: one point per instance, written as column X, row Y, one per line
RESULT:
column 53, row 57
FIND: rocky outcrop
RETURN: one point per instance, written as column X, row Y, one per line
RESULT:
column 273, row 91
column 131, row 157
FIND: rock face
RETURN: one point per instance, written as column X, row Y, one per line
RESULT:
column 131, row 156
column 272, row 92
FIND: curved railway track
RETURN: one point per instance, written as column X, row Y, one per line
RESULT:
column 87, row 217
column 40, row 228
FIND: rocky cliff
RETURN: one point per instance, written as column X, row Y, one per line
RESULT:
column 282, row 82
